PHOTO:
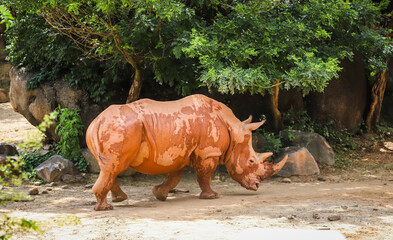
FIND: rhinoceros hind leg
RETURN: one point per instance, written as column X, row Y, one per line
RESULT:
column 170, row 182
column 205, row 170
column 101, row 188
column 117, row 194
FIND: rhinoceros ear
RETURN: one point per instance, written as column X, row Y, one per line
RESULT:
column 254, row 126
column 248, row 120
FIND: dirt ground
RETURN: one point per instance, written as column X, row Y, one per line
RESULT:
column 361, row 197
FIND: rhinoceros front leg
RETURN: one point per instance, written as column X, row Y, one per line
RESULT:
column 170, row 182
column 117, row 194
column 205, row 170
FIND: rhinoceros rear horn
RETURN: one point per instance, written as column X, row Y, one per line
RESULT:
column 263, row 157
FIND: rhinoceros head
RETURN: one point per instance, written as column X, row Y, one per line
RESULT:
column 245, row 165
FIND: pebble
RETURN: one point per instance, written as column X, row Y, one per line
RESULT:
column 292, row 217
column 344, row 207
column 321, row 179
column 45, row 192
column 65, row 187
column 48, row 189
column 37, row 183
column 89, row 185
column 286, row 180
column 323, row 228
column 334, row 218
column 52, row 184
column 34, row 191
column 316, row 216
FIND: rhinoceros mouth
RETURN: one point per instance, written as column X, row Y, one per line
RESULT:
column 253, row 187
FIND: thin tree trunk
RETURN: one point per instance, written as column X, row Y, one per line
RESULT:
column 377, row 93
column 277, row 118
column 135, row 90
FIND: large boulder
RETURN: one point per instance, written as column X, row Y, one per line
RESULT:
column 300, row 162
column 35, row 104
column 53, row 169
column 316, row 145
column 344, row 100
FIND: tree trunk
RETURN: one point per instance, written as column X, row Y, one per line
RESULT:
column 136, row 86
column 277, row 118
column 377, row 93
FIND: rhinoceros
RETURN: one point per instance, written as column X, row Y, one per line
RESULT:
column 155, row 138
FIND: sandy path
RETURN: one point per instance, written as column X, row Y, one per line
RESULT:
column 13, row 126
column 362, row 198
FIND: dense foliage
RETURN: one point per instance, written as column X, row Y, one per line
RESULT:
column 52, row 55
column 252, row 44
column 234, row 46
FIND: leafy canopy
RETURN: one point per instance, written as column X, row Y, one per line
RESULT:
column 231, row 45
column 251, row 44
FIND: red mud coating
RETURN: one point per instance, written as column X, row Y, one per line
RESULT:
column 167, row 137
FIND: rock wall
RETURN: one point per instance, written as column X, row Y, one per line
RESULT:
column 345, row 99
column 4, row 69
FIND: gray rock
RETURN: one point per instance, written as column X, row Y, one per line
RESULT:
column 67, row 178
column 8, row 149
column 54, row 168
column 316, row 145
column 300, row 162
column 34, row 191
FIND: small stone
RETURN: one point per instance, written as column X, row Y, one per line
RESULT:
column 34, row 191
column 65, row 187
column 37, row 183
column 52, row 184
column 321, row 179
column 355, row 205
column 316, row 216
column 375, row 209
column 292, row 217
column 89, row 185
column 45, row 192
column 334, row 218
column 84, row 175
column 323, row 228
column 286, row 180
column 344, row 207
column 388, row 145
column 48, row 189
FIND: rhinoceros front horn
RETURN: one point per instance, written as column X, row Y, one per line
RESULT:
column 277, row 167
column 271, row 169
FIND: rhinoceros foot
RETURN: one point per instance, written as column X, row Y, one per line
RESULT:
column 209, row 195
column 119, row 198
column 160, row 193
column 103, row 207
